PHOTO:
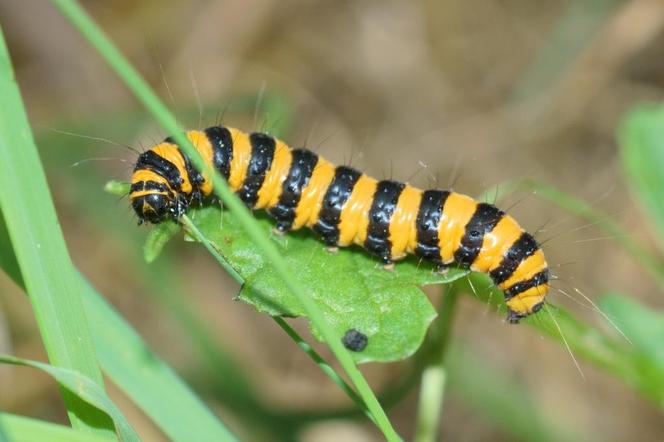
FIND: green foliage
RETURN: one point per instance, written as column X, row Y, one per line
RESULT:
column 85, row 389
column 147, row 379
column 40, row 250
column 158, row 238
column 22, row 429
column 115, row 187
column 352, row 288
column 144, row 377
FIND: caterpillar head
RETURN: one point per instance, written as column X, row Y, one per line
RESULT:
column 155, row 204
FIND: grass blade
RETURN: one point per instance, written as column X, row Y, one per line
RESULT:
column 24, row 429
column 147, row 380
column 132, row 365
column 84, row 388
column 41, row 253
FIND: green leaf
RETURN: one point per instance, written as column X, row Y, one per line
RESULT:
column 116, row 187
column 158, row 238
column 24, row 429
column 641, row 138
column 85, row 388
column 350, row 286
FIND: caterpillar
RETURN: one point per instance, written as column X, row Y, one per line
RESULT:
column 389, row 219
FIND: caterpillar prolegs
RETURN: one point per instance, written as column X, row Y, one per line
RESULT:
column 389, row 219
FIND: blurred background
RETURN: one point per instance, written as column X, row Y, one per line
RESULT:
column 442, row 93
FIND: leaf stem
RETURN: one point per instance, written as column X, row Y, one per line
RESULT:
column 434, row 375
column 318, row 359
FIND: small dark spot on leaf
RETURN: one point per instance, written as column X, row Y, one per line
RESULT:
column 228, row 240
column 354, row 340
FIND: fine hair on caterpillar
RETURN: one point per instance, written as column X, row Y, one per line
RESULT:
column 389, row 219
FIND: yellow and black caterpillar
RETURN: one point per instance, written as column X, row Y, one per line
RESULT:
column 388, row 218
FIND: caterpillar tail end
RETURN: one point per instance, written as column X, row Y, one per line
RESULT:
column 514, row 317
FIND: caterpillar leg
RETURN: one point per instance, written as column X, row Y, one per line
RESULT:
column 280, row 229
column 330, row 241
column 441, row 269
column 179, row 208
column 514, row 317
column 196, row 198
column 388, row 263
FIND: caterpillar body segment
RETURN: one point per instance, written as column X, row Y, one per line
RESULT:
column 389, row 219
